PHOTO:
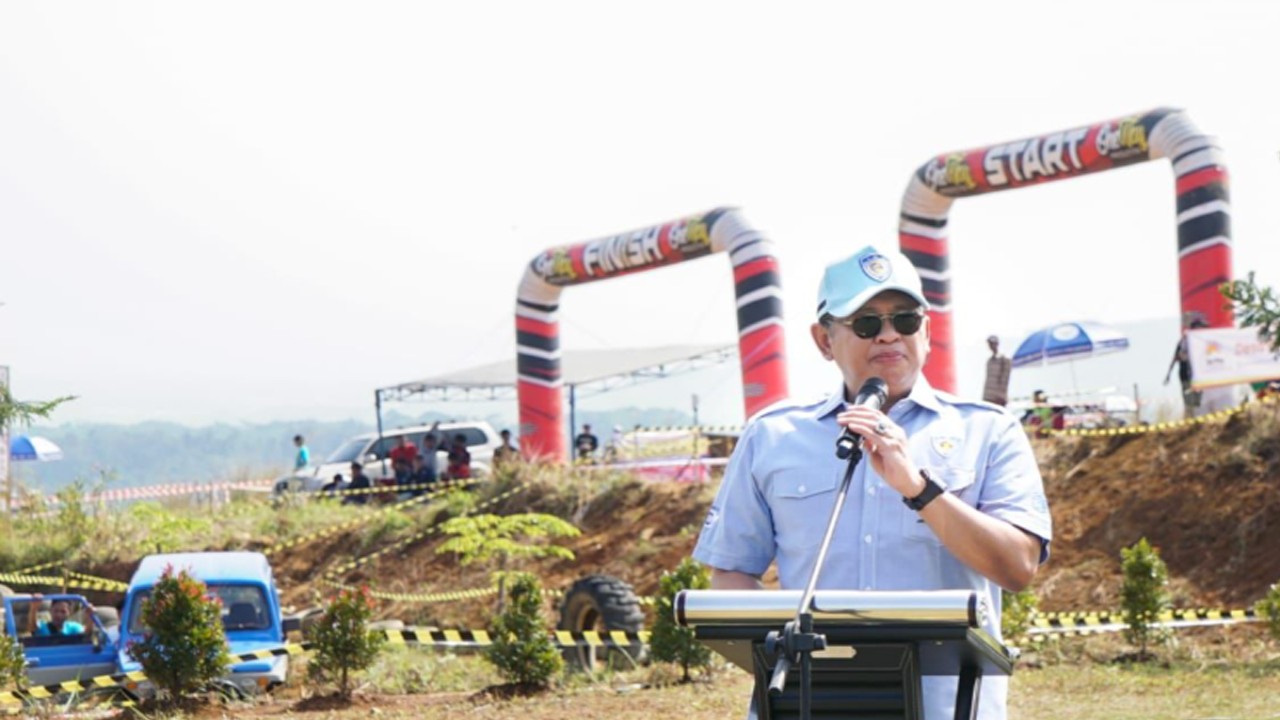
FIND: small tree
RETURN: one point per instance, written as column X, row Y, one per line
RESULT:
column 1255, row 307
column 670, row 642
column 343, row 644
column 13, row 665
column 522, row 650
column 1269, row 608
column 15, row 412
column 184, row 648
column 489, row 539
column 1018, row 608
column 1144, row 594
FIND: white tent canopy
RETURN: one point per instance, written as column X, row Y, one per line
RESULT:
column 598, row 370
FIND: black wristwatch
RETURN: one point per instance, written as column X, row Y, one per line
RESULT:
column 931, row 490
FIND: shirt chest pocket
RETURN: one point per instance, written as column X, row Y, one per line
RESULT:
column 957, row 481
column 801, row 503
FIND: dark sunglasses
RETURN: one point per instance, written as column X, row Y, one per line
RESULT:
column 869, row 326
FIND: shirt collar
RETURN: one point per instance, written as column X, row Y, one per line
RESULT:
column 922, row 394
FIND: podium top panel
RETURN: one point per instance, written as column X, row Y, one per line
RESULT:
column 961, row 608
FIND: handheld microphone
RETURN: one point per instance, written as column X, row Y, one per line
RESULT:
column 873, row 393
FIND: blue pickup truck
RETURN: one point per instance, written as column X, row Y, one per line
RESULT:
column 62, row 638
column 251, row 612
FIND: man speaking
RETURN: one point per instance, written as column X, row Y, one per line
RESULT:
column 948, row 496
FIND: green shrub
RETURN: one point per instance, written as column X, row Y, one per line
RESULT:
column 1018, row 609
column 343, row 644
column 184, row 648
column 670, row 642
column 13, row 666
column 522, row 649
column 1145, row 593
column 1269, row 609
column 167, row 531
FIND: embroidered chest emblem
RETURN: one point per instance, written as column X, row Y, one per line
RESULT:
column 945, row 445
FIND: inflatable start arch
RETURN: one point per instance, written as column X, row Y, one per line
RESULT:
column 1204, row 220
column 755, row 275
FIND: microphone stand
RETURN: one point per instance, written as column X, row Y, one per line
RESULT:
column 797, row 641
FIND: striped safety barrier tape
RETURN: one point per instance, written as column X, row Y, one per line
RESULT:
column 357, row 562
column 1088, row 619
column 357, row 522
column 69, row 582
column 434, row 638
column 451, row 596
column 1160, row 426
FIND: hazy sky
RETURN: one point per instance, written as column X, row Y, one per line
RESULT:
column 264, row 210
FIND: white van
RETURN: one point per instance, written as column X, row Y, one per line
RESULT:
column 372, row 454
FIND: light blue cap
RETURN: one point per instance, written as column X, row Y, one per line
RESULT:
column 848, row 284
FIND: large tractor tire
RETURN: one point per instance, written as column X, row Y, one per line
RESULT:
column 600, row 603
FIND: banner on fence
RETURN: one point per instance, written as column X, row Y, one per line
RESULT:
column 1230, row 356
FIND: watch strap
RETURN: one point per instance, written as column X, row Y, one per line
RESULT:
column 931, row 490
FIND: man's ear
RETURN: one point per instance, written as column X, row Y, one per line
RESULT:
column 822, row 338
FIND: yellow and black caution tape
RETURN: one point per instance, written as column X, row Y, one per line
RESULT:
column 103, row 583
column 701, row 429
column 357, row 522
column 441, row 597
column 69, row 582
column 1160, row 426
column 37, row 568
column 452, row 596
column 101, row 682
column 1094, row 623
column 1089, row 619
column 357, row 562
column 439, row 638
column 377, row 489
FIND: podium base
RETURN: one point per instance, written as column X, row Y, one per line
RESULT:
column 873, row 682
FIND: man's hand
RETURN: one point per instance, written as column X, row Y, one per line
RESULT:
column 885, row 445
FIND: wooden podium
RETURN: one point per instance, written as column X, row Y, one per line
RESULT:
column 878, row 646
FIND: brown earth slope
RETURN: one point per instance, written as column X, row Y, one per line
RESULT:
column 1208, row 496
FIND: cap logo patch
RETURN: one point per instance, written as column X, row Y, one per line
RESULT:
column 876, row 267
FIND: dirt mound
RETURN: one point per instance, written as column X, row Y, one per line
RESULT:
column 1205, row 496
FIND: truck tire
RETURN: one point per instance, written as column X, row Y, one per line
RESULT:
column 600, row 603
column 108, row 616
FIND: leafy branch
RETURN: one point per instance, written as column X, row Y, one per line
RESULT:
column 1256, row 307
column 14, row 412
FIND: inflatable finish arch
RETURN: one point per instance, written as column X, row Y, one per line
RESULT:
column 755, row 275
column 1204, row 221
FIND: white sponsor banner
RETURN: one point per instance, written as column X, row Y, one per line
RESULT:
column 1227, row 356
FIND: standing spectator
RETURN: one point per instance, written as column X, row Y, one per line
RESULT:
column 613, row 451
column 506, row 452
column 586, row 444
column 405, row 452
column 303, row 458
column 431, row 456
column 359, row 481
column 1182, row 359
column 459, row 459
column 996, row 389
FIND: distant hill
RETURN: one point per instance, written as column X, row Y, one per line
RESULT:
column 163, row 452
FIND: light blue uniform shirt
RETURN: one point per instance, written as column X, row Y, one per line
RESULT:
column 779, row 488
